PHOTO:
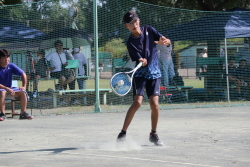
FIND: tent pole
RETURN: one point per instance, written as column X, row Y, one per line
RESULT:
column 228, row 94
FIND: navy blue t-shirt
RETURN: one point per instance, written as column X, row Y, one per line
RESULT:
column 6, row 74
column 242, row 72
column 144, row 47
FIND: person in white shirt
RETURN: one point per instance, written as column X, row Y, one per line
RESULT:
column 58, row 61
column 203, row 54
column 68, row 54
column 81, row 72
column 82, row 61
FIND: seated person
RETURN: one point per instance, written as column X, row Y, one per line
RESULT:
column 232, row 74
column 244, row 52
column 6, row 91
column 41, row 69
column 58, row 63
column 243, row 73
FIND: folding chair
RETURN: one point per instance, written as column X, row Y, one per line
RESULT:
column 164, row 95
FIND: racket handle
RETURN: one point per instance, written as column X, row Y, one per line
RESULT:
column 139, row 65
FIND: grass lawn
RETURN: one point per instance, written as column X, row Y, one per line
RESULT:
column 196, row 83
column 104, row 83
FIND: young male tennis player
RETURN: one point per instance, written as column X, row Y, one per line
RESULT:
column 142, row 48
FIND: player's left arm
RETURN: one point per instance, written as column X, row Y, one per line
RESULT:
column 159, row 38
column 24, row 81
column 163, row 41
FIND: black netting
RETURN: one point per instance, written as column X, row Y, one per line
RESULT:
column 202, row 42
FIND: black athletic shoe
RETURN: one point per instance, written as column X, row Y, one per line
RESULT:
column 25, row 116
column 121, row 137
column 153, row 137
column 2, row 116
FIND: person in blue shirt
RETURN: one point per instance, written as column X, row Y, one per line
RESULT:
column 6, row 90
column 141, row 46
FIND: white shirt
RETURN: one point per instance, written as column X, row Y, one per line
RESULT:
column 55, row 60
column 204, row 55
column 82, row 60
column 69, row 56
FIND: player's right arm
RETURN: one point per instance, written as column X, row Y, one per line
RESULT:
column 144, row 61
column 10, row 91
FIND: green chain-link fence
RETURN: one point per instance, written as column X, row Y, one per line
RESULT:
column 200, row 78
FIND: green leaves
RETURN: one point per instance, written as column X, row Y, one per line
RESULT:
column 116, row 47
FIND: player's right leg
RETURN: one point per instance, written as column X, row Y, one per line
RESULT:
column 129, row 116
column 138, row 92
column 23, row 104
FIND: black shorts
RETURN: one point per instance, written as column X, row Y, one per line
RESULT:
column 152, row 86
column 56, row 74
column 42, row 75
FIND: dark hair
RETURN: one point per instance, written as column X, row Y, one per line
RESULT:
column 243, row 59
column 4, row 52
column 41, row 51
column 58, row 42
column 231, row 58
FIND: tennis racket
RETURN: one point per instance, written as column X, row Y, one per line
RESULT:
column 121, row 82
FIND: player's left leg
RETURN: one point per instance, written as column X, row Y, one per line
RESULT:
column 154, row 105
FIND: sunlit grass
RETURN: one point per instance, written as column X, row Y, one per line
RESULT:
column 104, row 83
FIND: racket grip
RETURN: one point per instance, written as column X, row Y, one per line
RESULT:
column 139, row 65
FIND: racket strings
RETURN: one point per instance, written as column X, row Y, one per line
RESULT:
column 121, row 84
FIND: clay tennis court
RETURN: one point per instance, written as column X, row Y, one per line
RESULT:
column 193, row 137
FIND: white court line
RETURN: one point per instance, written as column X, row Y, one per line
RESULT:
column 143, row 159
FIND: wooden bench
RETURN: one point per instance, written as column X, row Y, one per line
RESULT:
column 84, row 93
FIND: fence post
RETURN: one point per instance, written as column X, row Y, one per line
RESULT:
column 97, row 101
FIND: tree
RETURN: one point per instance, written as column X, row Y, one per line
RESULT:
column 204, row 5
column 11, row 2
column 116, row 47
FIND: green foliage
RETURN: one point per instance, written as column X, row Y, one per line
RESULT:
column 116, row 47
column 204, row 5
column 178, row 45
column 10, row 2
